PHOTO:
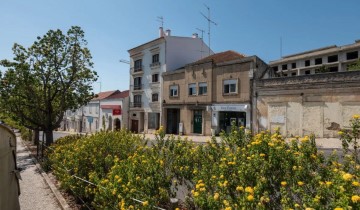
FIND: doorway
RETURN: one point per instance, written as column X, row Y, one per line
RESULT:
column 197, row 122
column 134, row 126
column 117, row 124
column 172, row 121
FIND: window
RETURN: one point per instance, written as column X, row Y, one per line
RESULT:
column 307, row 72
column 155, row 78
column 352, row 55
column 155, row 58
column 333, row 69
column 293, row 65
column 284, row 67
column 137, row 83
column 192, row 89
column 155, row 97
column 202, row 88
column 293, row 74
column 153, row 120
column 275, row 68
column 173, row 90
column 138, row 65
column 230, row 86
column 137, row 100
column 318, row 61
column 285, row 75
column 332, row 58
column 307, row 63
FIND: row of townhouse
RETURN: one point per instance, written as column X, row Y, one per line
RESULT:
column 107, row 111
column 179, row 83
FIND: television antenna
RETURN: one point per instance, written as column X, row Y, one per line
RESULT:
column 202, row 41
column 124, row 61
column 209, row 23
column 161, row 20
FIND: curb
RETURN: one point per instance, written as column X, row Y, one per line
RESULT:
column 58, row 196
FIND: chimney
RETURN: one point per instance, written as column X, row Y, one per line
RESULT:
column 194, row 35
column 161, row 32
column 168, row 32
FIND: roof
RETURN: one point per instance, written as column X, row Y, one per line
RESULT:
column 221, row 57
column 111, row 94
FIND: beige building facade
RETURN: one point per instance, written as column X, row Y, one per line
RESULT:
column 310, row 93
column 206, row 96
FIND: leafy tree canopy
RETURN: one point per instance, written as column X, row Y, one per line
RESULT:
column 43, row 81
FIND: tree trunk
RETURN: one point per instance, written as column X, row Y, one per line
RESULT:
column 36, row 137
column 49, row 137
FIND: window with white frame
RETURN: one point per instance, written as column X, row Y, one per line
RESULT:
column 174, row 90
column 155, row 58
column 155, row 78
column 230, row 86
column 155, row 97
column 192, row 89
column 202, row 88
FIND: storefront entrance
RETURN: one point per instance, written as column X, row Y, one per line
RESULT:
column 197, row 121
column 172, row 121
column 226, row 118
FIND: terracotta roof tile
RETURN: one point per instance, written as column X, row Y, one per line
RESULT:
column 221, row 57
column 119, row 94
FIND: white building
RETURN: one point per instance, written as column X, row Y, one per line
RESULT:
column 109, row 111
column 147, row 62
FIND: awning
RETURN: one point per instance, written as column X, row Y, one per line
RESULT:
column 110, row 106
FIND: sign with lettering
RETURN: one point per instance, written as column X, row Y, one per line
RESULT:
column 229, row 108
column 116, row 111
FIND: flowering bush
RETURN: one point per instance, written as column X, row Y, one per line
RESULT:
column 241, row 172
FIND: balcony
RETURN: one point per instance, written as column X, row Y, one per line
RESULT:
column 136, row 104
column 155, row 65
column 136, row 87
column 137, row 70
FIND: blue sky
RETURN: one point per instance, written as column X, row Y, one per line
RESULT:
column 251, row 27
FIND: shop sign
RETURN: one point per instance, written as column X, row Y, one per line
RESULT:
column 116, row 111
column 229, row 108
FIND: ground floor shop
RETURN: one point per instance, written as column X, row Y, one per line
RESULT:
column 144, row 122
column 205, row 119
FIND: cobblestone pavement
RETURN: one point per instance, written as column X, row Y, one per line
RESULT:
column 35, row 194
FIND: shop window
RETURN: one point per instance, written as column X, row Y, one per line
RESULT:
column 155, row 78
column 155, row 97
column 307, row 63
column 153, row 120
column 318, row 61
column 202, row 88
column 174, row 91
column 230, row 86
column 284, row 67
column 332, row 58
column 293, row 65
column 352, row 55
column 192, row 89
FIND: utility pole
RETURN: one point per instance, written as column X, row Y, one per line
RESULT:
column 208, row 18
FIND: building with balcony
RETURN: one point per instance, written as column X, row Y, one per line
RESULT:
column 107, row 111
column 207, row 96
column 147, row 63
column 310, row 93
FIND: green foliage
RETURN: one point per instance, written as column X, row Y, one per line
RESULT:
column 241, row 172
column 355, row 66
column 46, row 79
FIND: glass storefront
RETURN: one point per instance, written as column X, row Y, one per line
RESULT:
column 226, row 118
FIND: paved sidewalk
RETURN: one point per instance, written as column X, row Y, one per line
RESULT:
column 35, row 193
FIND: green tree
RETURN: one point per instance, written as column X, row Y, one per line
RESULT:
column 355, row 66
column 43, row 81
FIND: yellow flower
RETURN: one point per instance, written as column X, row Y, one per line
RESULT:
column 262, row 155
column 341, row 133
column 283, row 183
column 145, row 203
column 177, row 209
column 249, row 190
column 300, row 183
column 250, row 198
column 226, row 203
column 216, row 196
column 338, row 208
column 196, row 194
column 356, row 116
column 297, row 205
column 239, row 188
column 356, row 184
column 355, row 199
column 228, row 208
column 309, row 208
column 347, row 177
column 328, row 183
column 305, row 139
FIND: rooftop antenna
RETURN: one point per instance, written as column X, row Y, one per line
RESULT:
column 202, row 40
column 280, row 47
column 209, row 21
column 124, row 61
column 161, row 20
